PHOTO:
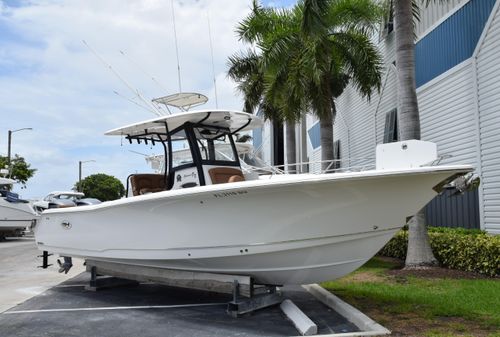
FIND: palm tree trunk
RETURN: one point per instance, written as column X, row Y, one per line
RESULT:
column 326, row 138
column 291, row 147
column 419, row 252
column 409, row 120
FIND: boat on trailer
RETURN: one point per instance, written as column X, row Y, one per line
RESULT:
column 203, row 214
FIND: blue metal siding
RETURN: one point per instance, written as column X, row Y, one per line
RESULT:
column 314, row 136
column 257, row 138
column 448, row 210
column 452, row 42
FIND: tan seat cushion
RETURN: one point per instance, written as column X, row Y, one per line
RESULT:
column 233, row 179
column 147, row 183
column 147, row 190
column 222, row 175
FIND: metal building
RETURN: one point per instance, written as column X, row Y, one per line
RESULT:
column 458, row 88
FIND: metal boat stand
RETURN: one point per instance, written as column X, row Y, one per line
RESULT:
column 45, row 260
column 260, row 297
column 99, row 282
column 246, row 296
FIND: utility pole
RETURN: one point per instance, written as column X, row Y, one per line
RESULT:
column 9, row 145
column 8, row 148
column 80, row 172
column 80, row 176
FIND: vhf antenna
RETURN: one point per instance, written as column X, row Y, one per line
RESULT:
column 176, row 48
column 213, row 66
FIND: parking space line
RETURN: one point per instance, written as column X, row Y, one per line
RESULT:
column 114, row 308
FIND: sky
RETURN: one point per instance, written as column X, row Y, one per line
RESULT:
column 52, row 82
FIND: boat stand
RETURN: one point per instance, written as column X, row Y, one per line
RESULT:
column 99, row 282
column 246, row 296
column 260, row 297
column 45, row 260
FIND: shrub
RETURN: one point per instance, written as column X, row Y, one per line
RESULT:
column 468, row 250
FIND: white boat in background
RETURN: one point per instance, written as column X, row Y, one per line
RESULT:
column 62, row 199
column 203, row 214
column 250, row 163
column 16, row 215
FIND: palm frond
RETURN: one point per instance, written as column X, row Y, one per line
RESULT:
column 363, row 15
column 314, row 16
column 361, row 59
column 243, row 64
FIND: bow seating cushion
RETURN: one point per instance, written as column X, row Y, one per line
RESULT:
column 147, row 183
column 222, row 175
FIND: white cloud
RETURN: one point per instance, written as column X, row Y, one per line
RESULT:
column 51, row 82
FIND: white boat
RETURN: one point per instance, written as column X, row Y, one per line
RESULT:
column 204, row 215
column 250, row 163
column 15, row 214
column 62, row 199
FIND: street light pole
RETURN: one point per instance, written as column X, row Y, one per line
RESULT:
column 80, row 172
column 8, row 148
column 80, row 176
column 9, row 144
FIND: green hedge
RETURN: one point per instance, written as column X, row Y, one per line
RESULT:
column 468, row 250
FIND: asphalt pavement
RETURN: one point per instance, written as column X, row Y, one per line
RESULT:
column 35, row 303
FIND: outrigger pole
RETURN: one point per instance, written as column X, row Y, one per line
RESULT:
column 135, row 91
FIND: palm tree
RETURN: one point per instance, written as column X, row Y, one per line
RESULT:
column 337, row 51
column 263, row 85
column 419, row 252
column 311, row 53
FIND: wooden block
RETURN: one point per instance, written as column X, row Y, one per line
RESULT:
column 219, row 283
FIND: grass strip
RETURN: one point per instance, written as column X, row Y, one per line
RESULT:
column 472, row 299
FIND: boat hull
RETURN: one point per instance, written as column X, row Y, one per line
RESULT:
column 302, row 262
column 14, row 218
column 291, row 230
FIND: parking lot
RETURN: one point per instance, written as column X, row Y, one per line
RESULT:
column 46, row 307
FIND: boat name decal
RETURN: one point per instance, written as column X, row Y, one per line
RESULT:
column 192, row 175
column 229, row 194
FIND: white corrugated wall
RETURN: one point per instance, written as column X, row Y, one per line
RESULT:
column 315, row 166
column 266, row 147
column 433, row 14
column 446, row 114
column 488, row 86
column 358, row 115
column 357, row 118
column 386, row 102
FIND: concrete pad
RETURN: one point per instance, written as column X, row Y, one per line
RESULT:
column 20, row 279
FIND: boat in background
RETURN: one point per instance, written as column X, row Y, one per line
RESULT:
column 16, row 215
column 62, row 199
column 203, row 214
column 250, row 162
